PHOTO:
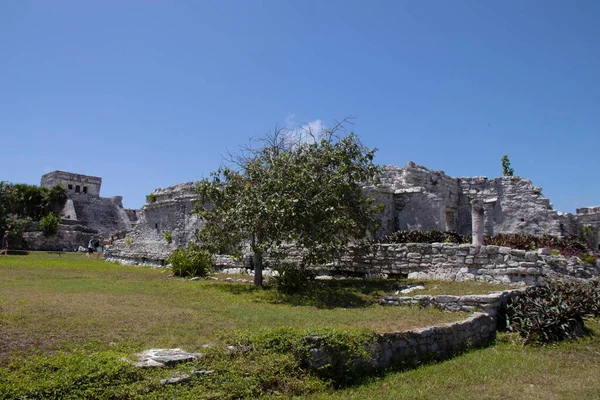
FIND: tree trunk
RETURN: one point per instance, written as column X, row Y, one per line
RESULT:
column 258, row 261
column 258, row 268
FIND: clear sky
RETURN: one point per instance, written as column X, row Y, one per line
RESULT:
column 148, row 94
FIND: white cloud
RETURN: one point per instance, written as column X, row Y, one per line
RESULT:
column 303, row 133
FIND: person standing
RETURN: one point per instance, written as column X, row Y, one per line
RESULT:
column 4, row 243
column 90, row 247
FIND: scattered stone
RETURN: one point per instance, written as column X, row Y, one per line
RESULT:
column 195, row 278
column 165, row 357
column 239, row 349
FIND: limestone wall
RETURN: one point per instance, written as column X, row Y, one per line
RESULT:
column 590, row 216
column 69, row 237
column 422, row 199
column 106, row 216
column 397, row 349
column 169, row 212
column 446, row 261
column 73, row 183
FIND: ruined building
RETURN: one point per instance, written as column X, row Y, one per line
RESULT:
column 85, row 213
column 415, row 198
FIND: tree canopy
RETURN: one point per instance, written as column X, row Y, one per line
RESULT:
column 290, row 191
column 20, row 203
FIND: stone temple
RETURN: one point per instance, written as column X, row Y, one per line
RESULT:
column 85, row 213
column 415, row 198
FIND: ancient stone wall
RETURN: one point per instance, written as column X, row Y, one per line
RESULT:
column 69, row 237
column 169, row 212
column 106, row 216
column 447, row 261
column 590, row 216
column 422, row 199
column 73, row 183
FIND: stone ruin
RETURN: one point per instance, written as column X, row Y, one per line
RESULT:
column 415, row 198
column 85, row 214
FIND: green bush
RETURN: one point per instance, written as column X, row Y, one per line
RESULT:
column 425, row 237
column 191, row 261
column 168, row 237
column 587, row 258
column 151, row 198
column 49, row 224
column 552, row 312
column 128, row 241
column 291, row 279
column 69, row 375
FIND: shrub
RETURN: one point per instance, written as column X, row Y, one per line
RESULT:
column 506, row 169
column 552, row 312
column 513, row 240
column 168, row 237
column 291, row 279
column 424, row 237
column 587, row 258
column 191, row 261
column 151, row 198
column 49, row 224
column 128, row 241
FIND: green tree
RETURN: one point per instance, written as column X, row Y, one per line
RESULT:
column 506, row 169
column 289, row 191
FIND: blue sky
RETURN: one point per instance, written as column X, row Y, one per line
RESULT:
column 148, row 94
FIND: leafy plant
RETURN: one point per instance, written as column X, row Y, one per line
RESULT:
column 168, row 237
column 128, row 241
column 424, row 237
column 506, row 169
column 290, row 279
column 191, row 261
column 588, row 258
column 151, row 198
column 552, row 312
column 49, row 224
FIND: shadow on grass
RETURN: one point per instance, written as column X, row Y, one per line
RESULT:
column 339, row 293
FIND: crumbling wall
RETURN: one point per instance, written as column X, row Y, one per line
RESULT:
column 169, row 212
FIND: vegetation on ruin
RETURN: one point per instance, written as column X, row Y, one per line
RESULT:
column 168, row 237
column 290, row 190
column 506, row 169
column 49, row 224
column 72, row 320
column 151, row 198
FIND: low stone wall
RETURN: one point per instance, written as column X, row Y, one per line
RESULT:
column 447, row 261
column 437, row 342
column 441, row 261
column 488, row 303
column 395, row 349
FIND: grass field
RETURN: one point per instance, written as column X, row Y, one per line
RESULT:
column 46, row 299
column 68, row 321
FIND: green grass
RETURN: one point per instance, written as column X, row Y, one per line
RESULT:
column 69, row 321
column 46, row 300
